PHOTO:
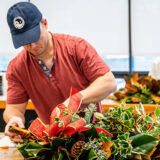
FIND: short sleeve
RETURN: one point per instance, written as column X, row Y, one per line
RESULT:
column 16, row 93
column 91, row 64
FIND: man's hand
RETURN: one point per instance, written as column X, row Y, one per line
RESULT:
column 14, row 121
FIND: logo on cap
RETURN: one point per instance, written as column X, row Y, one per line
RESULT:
column 18, row 22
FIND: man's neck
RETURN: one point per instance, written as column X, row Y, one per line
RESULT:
column 47, row 56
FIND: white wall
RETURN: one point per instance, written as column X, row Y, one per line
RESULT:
column 104, row 23
column 146, row 27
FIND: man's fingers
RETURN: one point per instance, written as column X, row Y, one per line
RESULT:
column 14, row 121
column 16, row 138
column 21, row 125
column 9, row 134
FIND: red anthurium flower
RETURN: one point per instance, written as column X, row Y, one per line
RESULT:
column 57, row 127
column 75, row 100
column 74, row 127
column 63, row 114
column 99, row 130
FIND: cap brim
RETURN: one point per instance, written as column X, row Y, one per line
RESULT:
column 26, row 37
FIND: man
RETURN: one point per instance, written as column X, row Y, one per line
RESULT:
column 48, row 66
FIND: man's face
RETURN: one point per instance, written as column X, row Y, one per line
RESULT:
column 37, row 48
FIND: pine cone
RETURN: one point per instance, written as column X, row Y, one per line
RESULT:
column 77, row 148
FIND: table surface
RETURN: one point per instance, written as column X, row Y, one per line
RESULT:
column 10, row 153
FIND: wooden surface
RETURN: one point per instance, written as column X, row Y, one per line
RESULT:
column 10, row 153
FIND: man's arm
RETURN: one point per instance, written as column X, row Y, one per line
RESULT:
column 14, row 116
column 99, row 89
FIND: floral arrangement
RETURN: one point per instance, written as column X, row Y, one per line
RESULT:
column 119, row 133
column 142, row 89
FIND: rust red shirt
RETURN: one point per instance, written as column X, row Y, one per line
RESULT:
column 76, row 64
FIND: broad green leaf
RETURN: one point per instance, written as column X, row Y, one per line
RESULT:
column 33, row 145
column 24, row 153
column 56, row 142
column 90, row 133
column 143, row 144
column 35, row 152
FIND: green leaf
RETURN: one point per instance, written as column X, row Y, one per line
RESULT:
column 24, row 153
column 87, row 154
column 124, row 116
column 143, row 144
column 65, row 113
column 155, row 132
column 130, row 109
column 149, row 119
column 63, row 154
column 157, row 112
column 104, row 137
column 90, row 133
column 99, row 115
column 91, row 155
column 89, row 112
column 124, row 144
column 33, row 145
column 56, row 142
column 124, row 136
column 55, row 156
column 56, row 119
column 35, row 152
column 140, row 108
column 60, row 124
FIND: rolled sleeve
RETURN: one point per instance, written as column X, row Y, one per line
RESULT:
column 16, row 93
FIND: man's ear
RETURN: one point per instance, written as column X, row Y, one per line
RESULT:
column 45, row 22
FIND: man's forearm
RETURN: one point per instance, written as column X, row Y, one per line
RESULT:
column 17, row 110
column 99, row 89
column 7, row 115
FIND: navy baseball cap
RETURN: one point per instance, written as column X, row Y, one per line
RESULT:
column 24, row 21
